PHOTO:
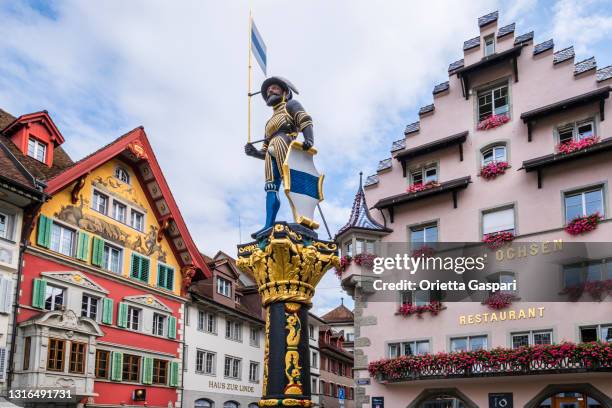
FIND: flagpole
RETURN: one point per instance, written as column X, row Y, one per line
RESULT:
column 249, row 81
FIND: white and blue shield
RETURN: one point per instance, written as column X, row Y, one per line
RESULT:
column 303, row 184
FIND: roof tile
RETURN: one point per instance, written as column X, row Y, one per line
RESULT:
column 455, row 66
column 444, row 86
column 585, row 66
column 426, row 109
column 505, row 30
column 371, row 180
column 604, row 73
column 563, row 55
column 360, row 214
column 487, row 19
column 471, row 43
column 384, row 164
column 545, row 46
column 413, row 127
column 523, row 38
column 398, row 145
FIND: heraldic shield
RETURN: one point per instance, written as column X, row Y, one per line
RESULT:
column 303, row 184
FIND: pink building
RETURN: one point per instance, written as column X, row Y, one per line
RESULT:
column 534, row 119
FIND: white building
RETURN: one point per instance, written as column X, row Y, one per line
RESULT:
column 225, row 340
column 314, row 324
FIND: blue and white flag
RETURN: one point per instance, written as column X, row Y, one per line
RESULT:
column 258, row 47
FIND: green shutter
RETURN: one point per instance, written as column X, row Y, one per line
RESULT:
column 170, row 278
column 39, row 290
column 144, row 269
column 107, row 310
column 97, row 253
column 172, row 327
column 117, row 366
column 44, row 231
column 122, row 315
column 174, row 374
column 83, row 247
column 161, row 275
column 147, row 370
column 135, row 267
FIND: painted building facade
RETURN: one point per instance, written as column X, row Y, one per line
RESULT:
column 108, row 258
column 314, row 326
column 540, row 120
column 225, row 339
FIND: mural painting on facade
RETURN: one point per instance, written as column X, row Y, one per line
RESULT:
column 147, row 245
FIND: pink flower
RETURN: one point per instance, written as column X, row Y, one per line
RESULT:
column 408, row 309
column 416, row 187
column 493, row 169
column 499, row 300
column 492, row 122
column 571, row 146
column 580, row 225
column 345, row 261
column 365, row 259
column 496, row 239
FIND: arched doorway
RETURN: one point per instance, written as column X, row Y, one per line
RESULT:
column 442, row 401
column 442, row 398
column 570, row 396
column 204, row 403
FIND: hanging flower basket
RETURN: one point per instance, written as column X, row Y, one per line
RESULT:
column 581, row 225
column 364, row 259
column 573, row 145
column 497, row 239
column 345, row 261
column 598, row 290
column 499, row 300
column 408, row 309
column 492, row 122
column 424, row 251
column 416, row 187
column 494, row 169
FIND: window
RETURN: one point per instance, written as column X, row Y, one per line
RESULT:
column 494, row 154
column 254, row 336
column 119, row 211
column 207, row 322
column 531, row 338
column 165, row 276
column 159, row 324
column 62, row 239
column 498, row 221
column 224, row 287
column 576, row 131
column 6, row 226
column 27, row 346
column 136, row 220
column 489, row 45
column 311, row 331
column 422, row 235
column 424, row 175
column 583, row 203
column 89, row 306
column 112, row 258
column 232, row 367
column 133, row 318
column 205, row 362
column 102, row 363
column 77, row 358
column 231, row 404
column 100, row 202
column 122, row 174
column 596, row 333
column 160, row 371
column 254, row 372
column 313, row 386
column 37, row 149
column 348, row 249
column 204, row 403
column 131, row 368
column 416, row 297
column 591, row 271
column 233, row 330
column 365, row 246
column 470, row 343
column 493, row 102
column 314, row 360
column 140, row 267
column 54, row 298
column 505, row 278
column 408, row 348
column 55, row 356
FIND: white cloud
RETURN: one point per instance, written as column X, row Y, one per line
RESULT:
column 577, row 22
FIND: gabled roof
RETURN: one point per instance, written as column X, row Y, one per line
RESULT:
column 360, row 215
column 339, row 314
column 44, row 118
column 134, row 146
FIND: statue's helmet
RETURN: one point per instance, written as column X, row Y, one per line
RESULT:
column 285, row 84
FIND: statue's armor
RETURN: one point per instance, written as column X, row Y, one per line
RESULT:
column 288, row 119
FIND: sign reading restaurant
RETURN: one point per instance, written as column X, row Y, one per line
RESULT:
column 501, row 316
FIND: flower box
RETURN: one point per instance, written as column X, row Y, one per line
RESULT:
column 499, row 300
column 494, row 169
column 498, row 239
column 409, row 309
column 364, row 259
column 492, row 122
column 424, row 251
column 416, row 187
column 581, row 225
column 575, row 145
column 597, row 289
column 345, row 261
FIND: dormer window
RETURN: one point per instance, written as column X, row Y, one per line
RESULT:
column 489, row 45
column 122, row 174
column 576, row 131
column 424, row 175
column 37, row 149
column 224, row 287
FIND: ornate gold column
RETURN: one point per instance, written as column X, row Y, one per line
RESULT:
column 288, row 263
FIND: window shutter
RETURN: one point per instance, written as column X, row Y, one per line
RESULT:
column 6, row 295
column 147, row 370
column 2, row 363
column 170, row 278
column 39, row 289
column 144, row 269
column 44, row 231
column 117, row 366
column 122, row 315
column 83, row 247
column 161, row 275
column 107, row 310
column 172, row 327
column 174, row 374
column 135, row 267
column 97, row 253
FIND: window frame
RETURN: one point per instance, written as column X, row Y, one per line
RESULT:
column 7, row 233
column 119, row 204
column 531, row 336
column 78, row 357
column 130, row 365
column 38, row 144
column 488, row 211
column 233, row 330
column 468, row 339
column 601, row 187
column 205, row 322
column 423, row 169
column 87, row 312
column 255, row 364
column 142, row 220
column 52, row 355
column 53, row 297
column 118, row 173
column 231, row 366
column 95, row 204
column 27, row 351
column 224, row 283
column 598, row 328
column 129, row 322
column 160, row 366
column 254, row 332
column 412, row 229
column 106, row 362
column 490, row 90
column 492, row 148
column 164, row 324
column 63, row 230
column 401, row 347
column 204, row 360
column 574, row 126
column 107, row 258
column 485, row 39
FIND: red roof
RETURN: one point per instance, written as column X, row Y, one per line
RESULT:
column 339, row 314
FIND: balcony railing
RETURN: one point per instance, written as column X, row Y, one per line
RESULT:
column 529, row 360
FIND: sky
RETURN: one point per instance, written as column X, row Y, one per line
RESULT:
column 179, row 68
